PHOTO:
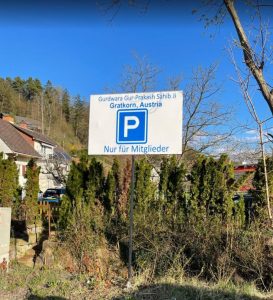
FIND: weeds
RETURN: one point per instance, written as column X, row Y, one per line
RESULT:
column 58, row 283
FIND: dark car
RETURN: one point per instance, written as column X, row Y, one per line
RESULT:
column 53, row 194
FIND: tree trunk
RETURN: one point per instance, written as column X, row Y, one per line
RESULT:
column 256, row 71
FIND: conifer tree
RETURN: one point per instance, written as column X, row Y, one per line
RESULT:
column 66, row 105
column 193, row 203
column 32, row 190
column 32, row 88
column 172, row 191
column 239, row 212
column 50, row 97
column 76, row 185
column 7, row 97
column 78, row 109
column 76, row 179
column 200, row 188
column 110, row 193
column 212, row 188
column 95, row 183
column 112, row 189
column 259, row 202
column 8, row 182
column 86, row 181
column 19, row 85
column 144, row 188
column 226, row 175
column 65, row 212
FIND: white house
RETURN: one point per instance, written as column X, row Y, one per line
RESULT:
column 25, row 144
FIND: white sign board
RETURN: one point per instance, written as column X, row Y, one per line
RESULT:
column 136, row 124
column 5, row 219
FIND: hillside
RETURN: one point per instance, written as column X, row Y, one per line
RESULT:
column 61, row 117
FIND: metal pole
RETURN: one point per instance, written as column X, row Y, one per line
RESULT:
column 131, row 221
column 49, row 220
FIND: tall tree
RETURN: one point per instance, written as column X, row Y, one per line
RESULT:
column 32, row 189
column 139, row 77
column 7, row 97
column 255, row 54
column 144, row 188
column 245, row 86
column 206, row 122
column 49, row 102
column 212, row 188
column 172, row 202
column 19, row 85
column 66, row 105
column 75, row 185
column 96, row 179
column 260, row 203
column 33, row 88
column 8, row 182
column 113, row 189
column 78, row 108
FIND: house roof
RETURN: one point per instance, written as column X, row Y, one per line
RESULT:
column 30, row 122
column 36, row 135
column 245, row 168
column 12, row 138
column 60, row 154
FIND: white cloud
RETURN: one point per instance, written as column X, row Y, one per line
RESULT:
column 251, row 131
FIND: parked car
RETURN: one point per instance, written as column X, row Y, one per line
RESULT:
column 53, row 194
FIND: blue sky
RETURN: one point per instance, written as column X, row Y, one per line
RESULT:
column 76, row 46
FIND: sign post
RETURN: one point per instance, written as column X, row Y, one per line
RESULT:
column 131, row 221
column 135, row 124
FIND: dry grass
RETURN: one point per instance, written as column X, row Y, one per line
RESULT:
column 26, row 283
column 168, row 288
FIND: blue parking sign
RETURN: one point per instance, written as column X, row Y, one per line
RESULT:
column 132, row 126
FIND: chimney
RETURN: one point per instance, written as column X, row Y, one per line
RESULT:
column 23, row 124
column 7, row 117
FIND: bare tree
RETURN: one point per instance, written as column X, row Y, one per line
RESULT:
column 57, row 166
column 140, row 77
column 111, row 8
column 254, row 60
column 256, row 55
column 244, row 85
column 203, row 117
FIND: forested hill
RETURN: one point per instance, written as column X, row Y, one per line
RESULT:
column 62, row 117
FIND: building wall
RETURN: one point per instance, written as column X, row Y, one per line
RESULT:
column 44, row 150
column 21, row 163
column 46, row 180
column 4, row 148
column 242, row 170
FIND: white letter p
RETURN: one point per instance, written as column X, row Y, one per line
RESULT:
column 127, row 126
